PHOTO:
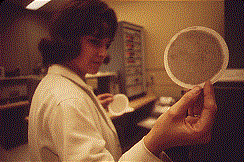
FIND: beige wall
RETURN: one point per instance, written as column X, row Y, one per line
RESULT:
column 163, row 19
column 21, row 31
column 20, row 44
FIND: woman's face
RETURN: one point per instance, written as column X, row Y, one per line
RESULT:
column 93, row 52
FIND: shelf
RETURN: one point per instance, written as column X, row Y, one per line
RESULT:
column 138, row 103
column 13, row 105
column 101, row 74
column 39, row 77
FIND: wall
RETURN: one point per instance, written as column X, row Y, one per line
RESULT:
column 21, row 31
column 163, row 19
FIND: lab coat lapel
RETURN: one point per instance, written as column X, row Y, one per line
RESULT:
column 65, row 72
column 99, row 107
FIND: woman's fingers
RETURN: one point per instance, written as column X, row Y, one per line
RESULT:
column 209, row 97
column 209, row 108
column 105, row 99
column 104, row 96
column 197, row 106
column 181, row 107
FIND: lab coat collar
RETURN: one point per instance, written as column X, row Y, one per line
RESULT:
column 67, row 73
column 71, row 75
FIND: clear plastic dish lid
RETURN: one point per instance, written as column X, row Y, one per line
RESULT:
column 195, row 55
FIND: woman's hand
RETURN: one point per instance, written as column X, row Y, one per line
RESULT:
column 176, row 127
column 105, row 99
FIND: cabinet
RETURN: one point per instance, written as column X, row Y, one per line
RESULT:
column 15, row 98
column 126, row 125
column 234, row 34
column 13, row 126
column 127, row 59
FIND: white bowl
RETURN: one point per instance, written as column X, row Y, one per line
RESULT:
column 120, row 105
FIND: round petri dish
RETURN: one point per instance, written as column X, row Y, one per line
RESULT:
column 195, row 55
column 119, row 105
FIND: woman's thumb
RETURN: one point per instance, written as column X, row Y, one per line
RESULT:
column 182, row 105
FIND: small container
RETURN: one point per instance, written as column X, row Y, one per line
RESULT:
column 119, row 105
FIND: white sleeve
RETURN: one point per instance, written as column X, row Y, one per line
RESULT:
column 139, row 152
column 75, row 134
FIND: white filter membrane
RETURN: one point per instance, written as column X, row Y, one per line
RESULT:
column 195, row 55
column 119, row 105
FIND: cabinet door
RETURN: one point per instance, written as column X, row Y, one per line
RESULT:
column 13, row 126
column 234, row 34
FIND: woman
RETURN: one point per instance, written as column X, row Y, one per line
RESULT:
column 68, row 122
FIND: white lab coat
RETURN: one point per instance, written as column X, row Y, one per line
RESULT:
column 67, row 122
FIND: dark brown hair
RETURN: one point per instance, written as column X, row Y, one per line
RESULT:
column 78, row 18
